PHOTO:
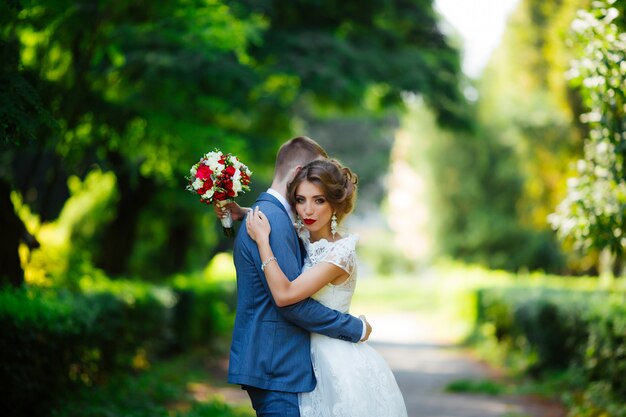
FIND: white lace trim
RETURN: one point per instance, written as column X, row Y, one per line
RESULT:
column 341, row 253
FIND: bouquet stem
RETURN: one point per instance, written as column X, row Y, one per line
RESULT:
column 227, row 220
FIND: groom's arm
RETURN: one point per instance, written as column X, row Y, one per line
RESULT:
column 317, row 318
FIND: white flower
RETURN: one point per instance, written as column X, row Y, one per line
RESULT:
column 212, row 159
column 193, row 170
column 237, row 183
column 217, row 170
column 208, row 194
column 197, row 184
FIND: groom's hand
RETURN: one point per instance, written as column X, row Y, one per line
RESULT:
column 236, row 211
column 368, row 328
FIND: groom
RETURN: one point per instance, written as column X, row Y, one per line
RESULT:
column 270, row 352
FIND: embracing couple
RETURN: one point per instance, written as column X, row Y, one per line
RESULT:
column 295, row 349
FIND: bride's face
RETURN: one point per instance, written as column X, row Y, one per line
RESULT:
column 314, row 210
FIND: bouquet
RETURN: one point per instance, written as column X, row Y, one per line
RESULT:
column 217, row 178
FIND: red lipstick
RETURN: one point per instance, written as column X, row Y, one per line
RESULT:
column 309, row 221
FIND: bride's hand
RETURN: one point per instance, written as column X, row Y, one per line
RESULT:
column 257, row 225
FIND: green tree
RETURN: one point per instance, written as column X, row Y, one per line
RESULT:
column 593, row 214
column 528, row 115
column 495, row 188
column 338, row 50
column 353, row 64
column 22, row 116
column 143, row 89
column 137, row 90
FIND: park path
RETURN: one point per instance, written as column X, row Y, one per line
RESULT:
column 425, row 360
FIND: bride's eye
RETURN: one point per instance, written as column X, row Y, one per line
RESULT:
column 299, row 200
column 320, row 201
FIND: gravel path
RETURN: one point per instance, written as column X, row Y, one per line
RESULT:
column 425, row 361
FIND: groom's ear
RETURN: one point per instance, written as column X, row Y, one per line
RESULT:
column 295, row 171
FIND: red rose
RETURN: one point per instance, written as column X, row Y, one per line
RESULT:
column 206, row 186
column 230, row 170
column 203, row 172
column 231, row 193
column 227, row 184
column 219, row 196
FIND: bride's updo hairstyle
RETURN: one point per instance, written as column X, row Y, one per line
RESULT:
column 337, row 182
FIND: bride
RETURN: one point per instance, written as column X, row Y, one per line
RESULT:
column 353, row 380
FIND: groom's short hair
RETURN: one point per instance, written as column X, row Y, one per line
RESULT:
column 298, row 151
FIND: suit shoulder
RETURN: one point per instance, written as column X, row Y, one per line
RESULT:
column 275, row 215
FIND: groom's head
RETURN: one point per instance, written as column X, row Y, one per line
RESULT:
column 294, row 154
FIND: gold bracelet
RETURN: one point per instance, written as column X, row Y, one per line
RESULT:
column 273, row 258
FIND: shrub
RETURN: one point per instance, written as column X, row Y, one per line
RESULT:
column 54, row 341
column 558, row 329
column 204, row 309
column 39, row 346
column 605, row 353
column 554, row 329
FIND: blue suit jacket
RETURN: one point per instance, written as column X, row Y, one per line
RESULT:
column 271, row 345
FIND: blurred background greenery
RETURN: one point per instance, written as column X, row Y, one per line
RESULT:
column 108, row 265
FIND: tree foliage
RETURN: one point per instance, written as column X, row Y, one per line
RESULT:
column 525, row 98
column 493, row 191
column 593, row 214
column 21, row 111
column 141, row 89
column 338, row 50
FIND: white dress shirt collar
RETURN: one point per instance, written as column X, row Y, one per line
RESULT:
column 283, row 201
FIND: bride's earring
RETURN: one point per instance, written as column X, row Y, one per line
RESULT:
column 299, row 224
column 333, row 225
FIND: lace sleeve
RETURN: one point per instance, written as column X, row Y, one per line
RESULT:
column 343, row 254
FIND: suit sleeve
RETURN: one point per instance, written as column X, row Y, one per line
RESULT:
column 309, row 313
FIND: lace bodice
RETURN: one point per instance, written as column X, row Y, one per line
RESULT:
column 341, row 253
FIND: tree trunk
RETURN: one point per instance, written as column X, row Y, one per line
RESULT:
column 120, row 235
column 11, row 271
column 179, row 237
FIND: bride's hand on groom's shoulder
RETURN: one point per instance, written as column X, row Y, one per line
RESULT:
column 236, row 211
column 257, row 225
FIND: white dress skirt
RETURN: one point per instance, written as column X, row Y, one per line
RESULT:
column 353, row 380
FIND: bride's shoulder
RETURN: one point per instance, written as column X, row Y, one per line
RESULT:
column 350, row 237
column 348, row 241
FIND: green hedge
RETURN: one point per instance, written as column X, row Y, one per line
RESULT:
column 558, row 330
column 204, row 309
column 53, row 341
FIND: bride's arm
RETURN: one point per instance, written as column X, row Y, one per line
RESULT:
column 287, row 292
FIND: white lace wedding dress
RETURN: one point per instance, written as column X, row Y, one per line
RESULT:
column 353, row 380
